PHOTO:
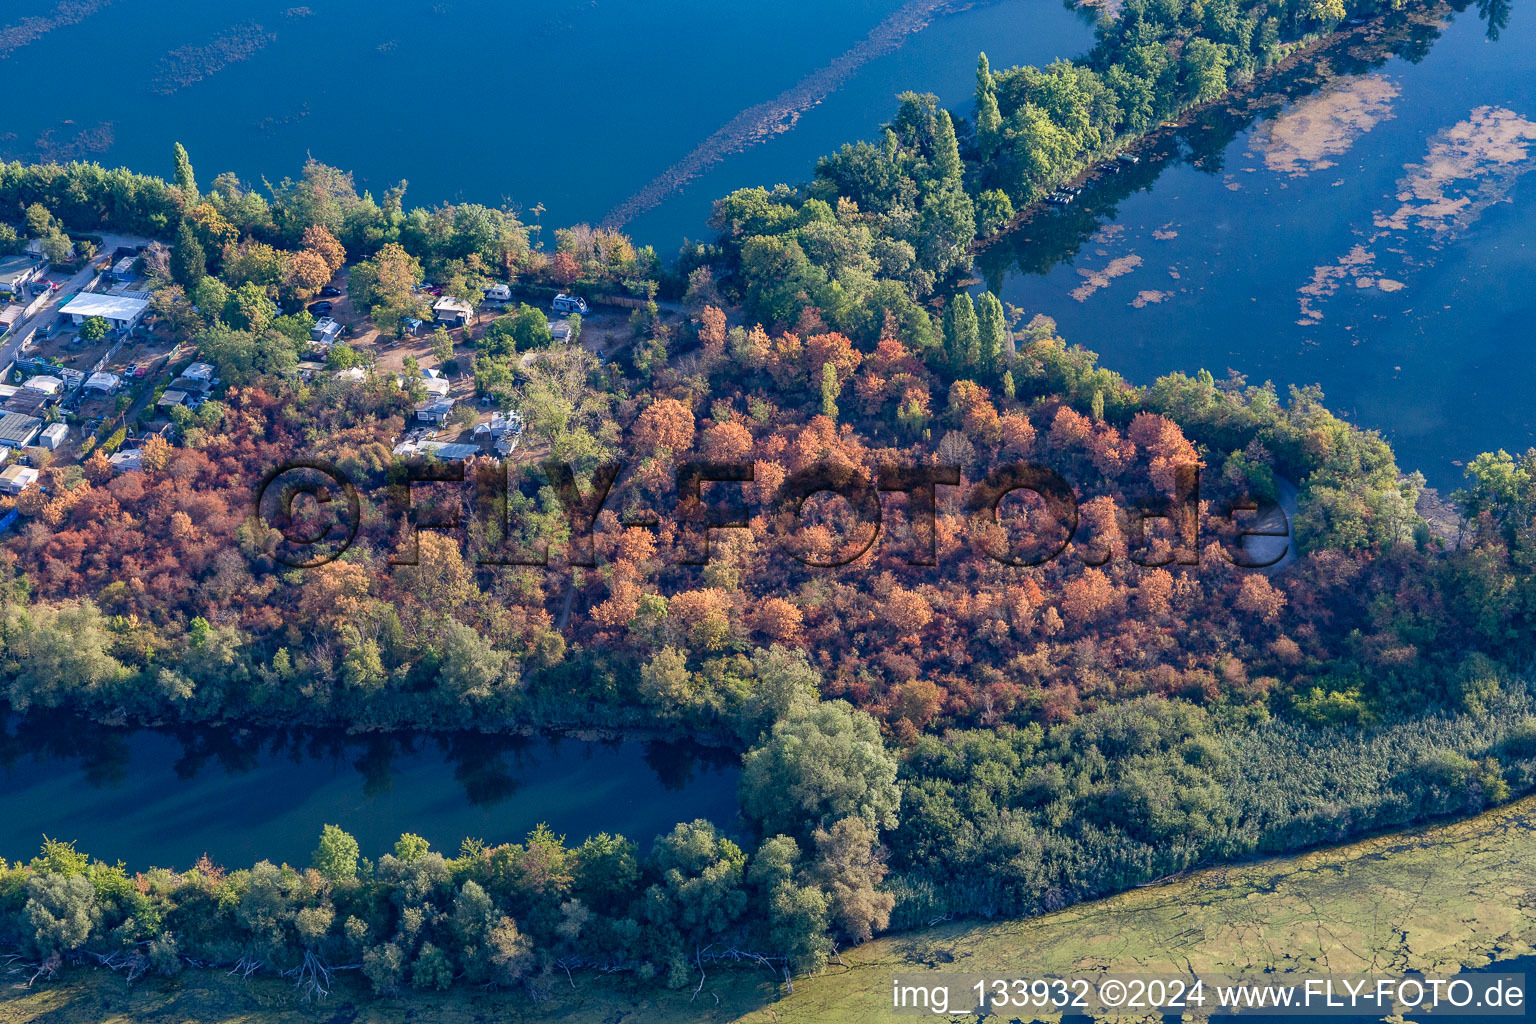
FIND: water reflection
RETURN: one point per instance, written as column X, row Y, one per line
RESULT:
column 167, row 795
column 1055, row 235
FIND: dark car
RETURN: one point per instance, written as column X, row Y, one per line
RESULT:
column 320, row 308
column 330, row 291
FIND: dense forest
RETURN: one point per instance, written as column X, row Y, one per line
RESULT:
column 934, row 718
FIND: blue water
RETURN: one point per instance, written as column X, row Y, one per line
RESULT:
column 575, row 104
column 1442, row 365
column 153, row 797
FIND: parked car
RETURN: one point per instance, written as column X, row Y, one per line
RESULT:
column 140, row 371
column 131, row 370
column 330, row 291
column 320, row 308
column 569, row 304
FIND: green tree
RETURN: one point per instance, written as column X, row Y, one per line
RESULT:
column 182, row 175
column 993, row 211
column 830, row 389
column 385, row 285
column 38, row 221
column 93, row 329
column 336, row 856
column 57, row 248
column 962, row 335
column 62, row 911
column 992, row 333
column 989, row 121
column 249, row 309
column 946, row 150
column 189, row 263
column 442, row 346
column 816, row 767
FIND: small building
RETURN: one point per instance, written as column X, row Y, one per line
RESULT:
column 326, row 332
column 16, row 479
column 35, row 250
column 16, row 272
column 435, row 411
column 355, row 374
column 27, row 402
column 197, row 378
column 128, row 460
column 18, row 430
column 452, row 312
column 446, row 450
column 498, row 426
column 122, row 270
column 54, row 436
column 44, row 384
column 9, row 315
column 560, row 330
column 171, row 399
column 120, row 311
column 102, row 381
column 437, row 387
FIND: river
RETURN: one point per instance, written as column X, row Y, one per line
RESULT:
column 165, row 797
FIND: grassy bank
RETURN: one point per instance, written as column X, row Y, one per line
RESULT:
column 1462, row 894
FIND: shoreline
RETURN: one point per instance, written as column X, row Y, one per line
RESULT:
column 1247, row 92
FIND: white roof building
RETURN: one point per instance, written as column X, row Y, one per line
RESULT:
column 54, row 436
column 17, row 478
column 129, row 459
column 47, row 385
column 120, row 311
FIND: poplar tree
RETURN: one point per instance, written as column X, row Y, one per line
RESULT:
column 989, row 120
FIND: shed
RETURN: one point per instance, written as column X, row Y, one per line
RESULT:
column 16, row 479
column 44, row 383
column 171, row 399
column 123, row 268
column 54, row 436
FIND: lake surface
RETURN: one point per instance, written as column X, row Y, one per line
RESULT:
column 1375, row 234
column 161, row 797
column 575, row 104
